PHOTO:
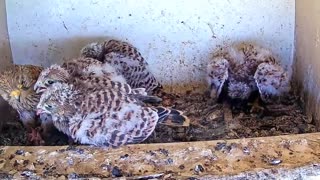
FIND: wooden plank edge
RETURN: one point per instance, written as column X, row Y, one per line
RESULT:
column 218, row 159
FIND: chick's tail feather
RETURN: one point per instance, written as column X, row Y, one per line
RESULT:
column 147, row 99
column 172, row 117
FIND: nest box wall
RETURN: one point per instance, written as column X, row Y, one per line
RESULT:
column 5, row 59
column 307, row 65
column 5, row 52
column 176, row 37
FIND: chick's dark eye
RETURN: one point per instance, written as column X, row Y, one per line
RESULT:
column 50, row 82
column 48, row 106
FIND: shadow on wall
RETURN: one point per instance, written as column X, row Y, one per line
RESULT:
column 5, row 56
column 6, row 112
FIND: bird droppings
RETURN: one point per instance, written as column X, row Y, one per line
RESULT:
column 116, row 172
column 75, row 149
column 246, row 150
column 20, row 152
column 29, row 175
column 164, row 151
column 220, row 146
column 199, row 169
column 49, row 170
column 106, row 167
column 70, row 161
column 275, row 161
column 73, row 176
column 124, row 156
column 271, row 160
column 151, row 153
column 169, row 161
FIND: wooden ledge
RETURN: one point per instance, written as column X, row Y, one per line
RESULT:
column 293, row 155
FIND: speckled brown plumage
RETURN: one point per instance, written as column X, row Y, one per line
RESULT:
column 80, row 71
column 272, row 82
column 20, row 79
column 89, row 73
column 247, row 68
column 104, row 117
column 127, row 60
column 16, row 87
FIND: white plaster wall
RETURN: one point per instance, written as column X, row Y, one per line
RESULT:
column 307, row 65
column 176, row 37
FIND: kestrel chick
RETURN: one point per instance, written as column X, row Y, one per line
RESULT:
column 272, row 82
column 217, row 75
column 246, row 68
column 16, row 87
column 89, row 76
column 104, row 117
column 127, row 60
column 75, row 69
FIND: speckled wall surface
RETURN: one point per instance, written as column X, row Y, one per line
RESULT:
column 176, row 37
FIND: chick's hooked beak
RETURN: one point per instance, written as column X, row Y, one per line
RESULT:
column 38, row 88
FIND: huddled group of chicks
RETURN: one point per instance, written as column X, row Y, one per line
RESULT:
column 108, row 97
column 104, row 97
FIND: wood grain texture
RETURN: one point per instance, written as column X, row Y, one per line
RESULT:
column 289, row 156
